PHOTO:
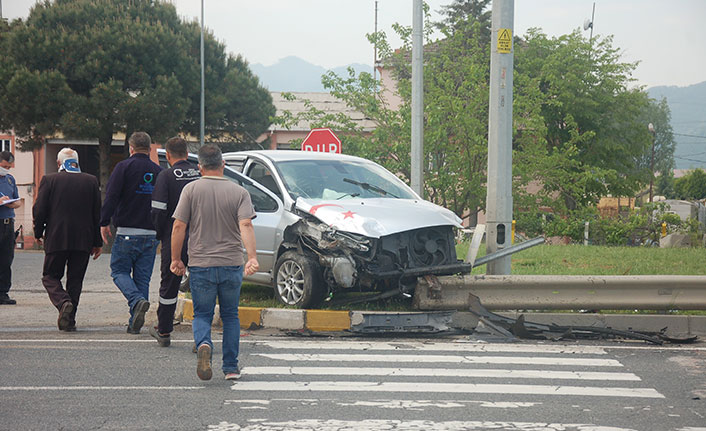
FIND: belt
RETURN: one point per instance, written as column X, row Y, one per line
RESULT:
column 7, row 220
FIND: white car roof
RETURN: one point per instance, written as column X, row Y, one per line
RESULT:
column 286, row 155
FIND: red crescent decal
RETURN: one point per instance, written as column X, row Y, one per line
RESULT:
column 313, row 209
column 348, row 214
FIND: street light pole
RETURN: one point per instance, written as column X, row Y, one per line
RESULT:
column 417, row 132
column 499, row 194
column 651, row 128
column 203, row 104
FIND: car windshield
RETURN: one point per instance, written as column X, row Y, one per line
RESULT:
column 337, row 179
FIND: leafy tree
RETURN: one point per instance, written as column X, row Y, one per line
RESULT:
column 692, row 185
column 657, row 113
column 90, row 69
column 579, row 129
column 594, row 121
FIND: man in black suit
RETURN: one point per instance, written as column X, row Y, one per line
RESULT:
column 67, row 215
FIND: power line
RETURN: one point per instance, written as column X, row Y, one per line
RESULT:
column 690, row 136
column 690, row 160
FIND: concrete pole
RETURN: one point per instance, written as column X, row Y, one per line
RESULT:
column 203, row 86
column 417, row 172
column 499, row 204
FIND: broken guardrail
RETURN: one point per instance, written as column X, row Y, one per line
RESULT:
column 563, row 292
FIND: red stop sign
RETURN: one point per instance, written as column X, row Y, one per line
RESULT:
column 323, row 141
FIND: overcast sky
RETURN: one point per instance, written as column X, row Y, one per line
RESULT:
column 667, row 37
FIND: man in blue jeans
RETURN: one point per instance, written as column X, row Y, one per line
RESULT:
column 219, row 216
column 128, row 201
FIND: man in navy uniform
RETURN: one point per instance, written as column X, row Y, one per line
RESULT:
column 66, row 216
column 165, row 197
column 8, row 192
column 128, row 200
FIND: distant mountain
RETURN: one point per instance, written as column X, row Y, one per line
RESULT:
column 294, row 74
column 688, row 107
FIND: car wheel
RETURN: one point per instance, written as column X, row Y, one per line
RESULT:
column 298, row 280
column 184, row 285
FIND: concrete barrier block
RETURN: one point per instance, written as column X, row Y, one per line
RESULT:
column 217, row 322
column 188, row 312
column 676, row 325
column 283, row 318
column 179, row 312
column 675, row 240
column 324, row 320
column 697, row 325
column 250, row 317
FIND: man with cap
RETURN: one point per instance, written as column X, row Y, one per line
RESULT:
column 66, row 216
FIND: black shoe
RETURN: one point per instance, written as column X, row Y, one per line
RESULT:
column 163, row 340
column 65, row 315
column 7, row 300
column 138, row 318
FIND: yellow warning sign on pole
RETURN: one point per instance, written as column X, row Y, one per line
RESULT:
column 505, row 41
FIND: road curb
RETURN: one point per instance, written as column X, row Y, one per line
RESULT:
column 334, row 321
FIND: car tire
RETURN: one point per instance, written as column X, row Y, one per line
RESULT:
column 184, row 284
column 298, row 281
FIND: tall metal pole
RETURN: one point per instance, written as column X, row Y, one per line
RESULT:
column 651, row 128
column 499, row 204
column 590, row 38
column 203, row 102
column 375, row 46
column 417, row 172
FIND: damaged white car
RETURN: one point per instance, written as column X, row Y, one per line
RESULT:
column 327, row 222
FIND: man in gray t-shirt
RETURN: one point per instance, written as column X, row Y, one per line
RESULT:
column 219, row 216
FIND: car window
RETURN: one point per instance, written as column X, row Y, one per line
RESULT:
column 337, row 179
column 260, row 173
column 260, row 200
column 236, row 164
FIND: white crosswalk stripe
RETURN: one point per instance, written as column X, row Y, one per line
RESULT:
column 439, row 372
column 517, row 360
column 466, row 368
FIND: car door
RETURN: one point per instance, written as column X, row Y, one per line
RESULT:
column 268, row 209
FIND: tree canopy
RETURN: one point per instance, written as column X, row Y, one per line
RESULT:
column 579, row 124
column 90, row 69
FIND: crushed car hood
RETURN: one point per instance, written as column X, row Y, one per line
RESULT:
column 378, row 217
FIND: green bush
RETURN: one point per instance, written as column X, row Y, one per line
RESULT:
column 641, row 226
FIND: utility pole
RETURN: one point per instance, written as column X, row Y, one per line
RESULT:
column 499, row 203
column 375, row 47
column 652, row 130
column 417, row 172
column 203, row 86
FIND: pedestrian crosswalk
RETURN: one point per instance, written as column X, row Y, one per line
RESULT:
column 436, row 368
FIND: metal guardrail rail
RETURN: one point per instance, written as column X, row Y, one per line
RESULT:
column 564, row 292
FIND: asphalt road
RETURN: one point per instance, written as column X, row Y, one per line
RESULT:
column 107, row 380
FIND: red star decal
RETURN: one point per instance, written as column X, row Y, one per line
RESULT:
column 348, row 214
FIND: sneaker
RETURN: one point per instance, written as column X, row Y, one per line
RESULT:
column 163, row 340
column 233, row 375
column 203, row 362
column 138, row 318
column 65, row 315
